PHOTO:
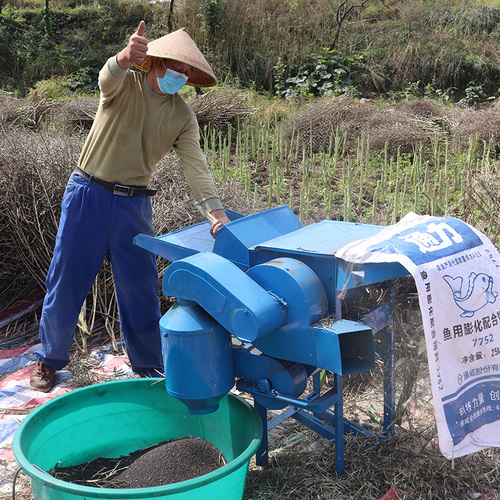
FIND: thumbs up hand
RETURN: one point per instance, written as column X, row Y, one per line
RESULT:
column 136, row 50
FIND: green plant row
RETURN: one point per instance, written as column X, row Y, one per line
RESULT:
column 359, row 185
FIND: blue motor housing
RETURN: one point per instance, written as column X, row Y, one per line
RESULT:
column 197, row 353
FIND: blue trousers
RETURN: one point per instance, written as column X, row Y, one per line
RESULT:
column 95, row 222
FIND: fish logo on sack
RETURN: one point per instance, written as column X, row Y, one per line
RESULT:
column 473, row 295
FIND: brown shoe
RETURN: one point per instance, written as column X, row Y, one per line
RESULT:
column 42, row 378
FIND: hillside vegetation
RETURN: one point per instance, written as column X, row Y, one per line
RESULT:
column 382, row 46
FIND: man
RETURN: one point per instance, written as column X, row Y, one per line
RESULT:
column 106, row 202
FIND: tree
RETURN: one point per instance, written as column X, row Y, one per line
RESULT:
column 170, row 16
column 48, row 19
column 343, row 10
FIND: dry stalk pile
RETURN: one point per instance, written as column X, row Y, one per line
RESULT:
column 34, row 169
column 402, row 125
column 220, row 110
column 317, row 123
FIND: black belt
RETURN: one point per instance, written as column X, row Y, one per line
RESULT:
column 118, row 189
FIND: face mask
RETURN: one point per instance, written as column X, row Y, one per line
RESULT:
column 172, row 82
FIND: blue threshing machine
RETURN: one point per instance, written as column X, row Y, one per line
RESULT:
column 261, row 305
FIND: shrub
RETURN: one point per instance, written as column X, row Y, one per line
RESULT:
column 326, row 73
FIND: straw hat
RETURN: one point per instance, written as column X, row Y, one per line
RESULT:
column 179, row 46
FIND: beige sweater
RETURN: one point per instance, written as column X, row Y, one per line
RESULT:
column 134, row 128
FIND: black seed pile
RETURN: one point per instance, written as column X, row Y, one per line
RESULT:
column 165, row 463
column 171, row 462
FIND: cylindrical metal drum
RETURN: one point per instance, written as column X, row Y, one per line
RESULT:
column 198, row 357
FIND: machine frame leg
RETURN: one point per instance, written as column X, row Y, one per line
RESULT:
column 262, row 454
column 389, row 383
column 331, row 423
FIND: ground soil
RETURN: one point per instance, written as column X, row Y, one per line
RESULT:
column 165, row 463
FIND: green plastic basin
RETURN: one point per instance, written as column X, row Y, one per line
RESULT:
column 115, row 418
